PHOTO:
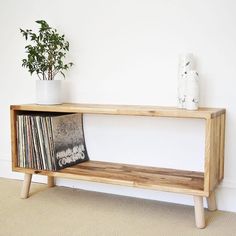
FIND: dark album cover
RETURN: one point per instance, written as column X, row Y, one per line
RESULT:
column 68, row 140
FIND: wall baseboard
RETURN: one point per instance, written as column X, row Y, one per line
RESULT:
column 226, row 193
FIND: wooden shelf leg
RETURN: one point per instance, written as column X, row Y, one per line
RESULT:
column 51, row 182
column 211, row 202
column 26, row 186
column 199, row 212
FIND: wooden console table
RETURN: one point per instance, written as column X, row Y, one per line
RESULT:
column 197, row 184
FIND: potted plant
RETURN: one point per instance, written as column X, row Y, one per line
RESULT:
column 45, row 57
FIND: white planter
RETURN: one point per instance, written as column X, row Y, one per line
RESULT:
column 186, row 63
column 192, row 90
column 48, row 92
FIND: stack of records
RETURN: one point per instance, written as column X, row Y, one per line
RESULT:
column 50, row 142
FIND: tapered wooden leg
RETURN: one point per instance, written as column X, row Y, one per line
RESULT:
column 199, row 212
column 211, row 202
column 51, row 182
column 26, row 186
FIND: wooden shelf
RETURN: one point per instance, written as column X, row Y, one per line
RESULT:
column 198, row 184
column 180, row 181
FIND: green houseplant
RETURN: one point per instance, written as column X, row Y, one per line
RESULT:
column 45, row 57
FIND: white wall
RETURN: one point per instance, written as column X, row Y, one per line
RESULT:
column 126, row 52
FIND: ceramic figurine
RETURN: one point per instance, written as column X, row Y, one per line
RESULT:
column 192, row 90
column 186, row 63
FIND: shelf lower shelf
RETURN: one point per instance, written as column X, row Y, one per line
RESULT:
column 171, row 180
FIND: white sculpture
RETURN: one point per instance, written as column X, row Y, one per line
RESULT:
column 186, row 63
column 192, row 90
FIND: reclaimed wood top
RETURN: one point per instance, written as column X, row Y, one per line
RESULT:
column 136, row 110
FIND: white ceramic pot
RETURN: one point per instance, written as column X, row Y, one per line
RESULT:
column 48, row 92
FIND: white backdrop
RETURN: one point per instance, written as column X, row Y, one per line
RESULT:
column 126, row 52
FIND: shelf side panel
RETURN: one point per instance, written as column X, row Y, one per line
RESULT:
column 13, row 117
column 222, row 146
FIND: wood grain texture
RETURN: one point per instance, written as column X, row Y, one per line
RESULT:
column 222, row 147
column 215, row 153
column 203, row 113
column 217, row 149
column 180, row 181
column 214, row 161
column 208, row 153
